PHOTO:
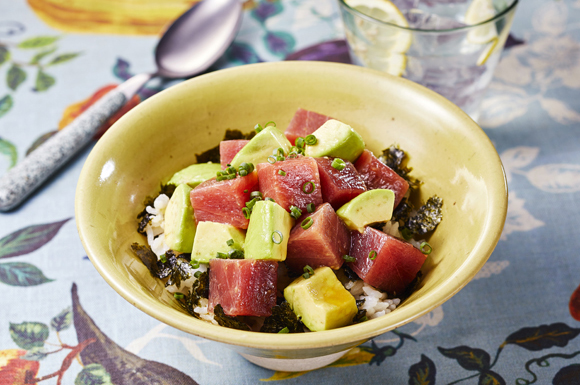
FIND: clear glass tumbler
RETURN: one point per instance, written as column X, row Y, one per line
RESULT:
column 449, row 46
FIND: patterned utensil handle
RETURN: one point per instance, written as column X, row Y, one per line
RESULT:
column 26, row 176
column 20, row 181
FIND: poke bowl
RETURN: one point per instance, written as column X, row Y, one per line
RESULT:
column 448, row 153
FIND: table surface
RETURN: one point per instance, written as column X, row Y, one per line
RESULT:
column 511, row 324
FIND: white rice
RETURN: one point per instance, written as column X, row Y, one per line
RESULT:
column 375, row 302
column 156, row 227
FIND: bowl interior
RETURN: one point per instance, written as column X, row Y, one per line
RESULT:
column 447, row 150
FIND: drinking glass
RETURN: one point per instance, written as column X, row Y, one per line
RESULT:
column 449, row 46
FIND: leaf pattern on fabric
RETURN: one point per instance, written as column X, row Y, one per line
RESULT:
column 41, row 139
column 265, row 10
column 568, row 375
column 124, row 367
column 21, row 274
column 517, row 158
column 62, row 321
column 38, row 42
column 93, row 374
column 423, row 372
column 491, row 268
column 490, row 377
column 28, row 335
column 29, row 239
column 15, row 77
column 242, row 53
column 279, row 43
column 8, row 149
column 6, row 103
column 468, row 358
column 556, row 178
column 542, row 337
column 518, row 218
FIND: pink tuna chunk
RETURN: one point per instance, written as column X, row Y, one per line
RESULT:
column 304, row 123
column 377, row 175
column 229, row 149
column 339, row 187
column 223, row 201
column 243, row 286
column 322, row 244
column 396, row 263
column 287, row 190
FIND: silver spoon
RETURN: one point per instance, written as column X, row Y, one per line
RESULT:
column 189, row 46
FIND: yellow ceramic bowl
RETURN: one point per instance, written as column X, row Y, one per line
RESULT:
column 448, row 152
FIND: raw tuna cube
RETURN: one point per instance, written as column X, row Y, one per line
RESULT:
column 288, row 190
column 322, row 244
column 395, row 265
column 339, row 187
column 304, row 123
column 243, row 286
column 378, row 175
column 229, row 149
column 222, row 202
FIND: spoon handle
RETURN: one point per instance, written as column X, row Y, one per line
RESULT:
column 20, row 181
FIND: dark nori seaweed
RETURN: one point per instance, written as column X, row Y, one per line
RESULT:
column 228, row 321
column 282, row 317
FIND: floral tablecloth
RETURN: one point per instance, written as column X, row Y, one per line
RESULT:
column 513, row 324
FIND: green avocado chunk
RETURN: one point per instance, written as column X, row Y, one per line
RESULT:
column 195, row 174
column 321, row 300
column 261, row 146
column 369, row 207
column 338, row 140
column 211, row 238
column 268, row 232
column 179, row 221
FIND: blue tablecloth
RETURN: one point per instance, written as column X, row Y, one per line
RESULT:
column 511, row 324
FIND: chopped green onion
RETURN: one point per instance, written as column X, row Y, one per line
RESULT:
column 250, row 204
column 306, row 223
column 270, row 123
column 373, row 255
column 230, row 242
column 281, row 172
column 308, row 272
column 426, row 248
column 277, row 240
column 248, row 167
column 219, row 173
column 271, row 159
column 221, row 255
column 300, row 142
column 348, row 258
column 258, row 128
column 162, row 258
column 178, row 295
column 310, row 207
column 280, row 158
column 245, row 191
column 194, row 264
column 197, row 274
column 256, row 194
column 338, row 164
column 230, row 170
column 280, row 151
column 235, row 254
column 307, row 190
column 230, row 176
column 269, row 199
column 246, row 211
column 220, row 178
column 310, row 140
column 243, row 173
column 284, row 331
column 295, row 212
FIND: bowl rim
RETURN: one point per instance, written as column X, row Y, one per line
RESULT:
column 303, row 341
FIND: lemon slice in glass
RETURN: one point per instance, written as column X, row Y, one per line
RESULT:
column 480, row 11
column 380, row 46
